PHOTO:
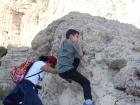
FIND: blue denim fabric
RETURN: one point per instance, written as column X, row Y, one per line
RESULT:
column 24, row 93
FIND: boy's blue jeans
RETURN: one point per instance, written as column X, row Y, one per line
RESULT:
column 76, row 76
column 23, row 94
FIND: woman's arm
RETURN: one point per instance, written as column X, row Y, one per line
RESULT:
column 49, row 69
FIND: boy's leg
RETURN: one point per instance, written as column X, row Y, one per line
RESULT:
column 75, row 64
column 79, row 78
column 84, row 82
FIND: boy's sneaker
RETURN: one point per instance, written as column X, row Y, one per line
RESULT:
column 69, row 80
column 88, row 103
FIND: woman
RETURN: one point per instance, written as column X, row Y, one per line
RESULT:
column 25, row 93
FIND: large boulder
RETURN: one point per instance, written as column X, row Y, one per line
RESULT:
column 109, row 46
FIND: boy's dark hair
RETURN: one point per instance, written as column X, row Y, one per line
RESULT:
column 71, row 32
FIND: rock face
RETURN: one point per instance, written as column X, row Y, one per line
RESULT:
column 14, row 56
column 111, row 61
column 112, row 49
column 21, row 20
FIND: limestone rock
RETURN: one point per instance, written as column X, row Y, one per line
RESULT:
column 111, row 48
column 21, row 20
column 128, row 79
column 107, row 45
column 117, row 64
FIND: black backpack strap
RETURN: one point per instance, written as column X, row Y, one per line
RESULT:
column 34, row 74
column 28, row 68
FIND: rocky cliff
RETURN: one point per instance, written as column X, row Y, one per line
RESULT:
column 111, row 45
column 21, row 20
column 111, row 60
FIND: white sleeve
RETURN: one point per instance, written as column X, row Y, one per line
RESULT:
column 39, row 64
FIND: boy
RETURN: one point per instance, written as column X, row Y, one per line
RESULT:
column 68, row 63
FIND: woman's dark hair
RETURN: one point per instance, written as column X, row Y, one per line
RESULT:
column 50, row 58
column 43, row 58
column 71, row 32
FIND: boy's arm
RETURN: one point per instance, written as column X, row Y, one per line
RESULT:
column 80, row 51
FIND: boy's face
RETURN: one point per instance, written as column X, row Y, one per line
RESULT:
column 74, row 38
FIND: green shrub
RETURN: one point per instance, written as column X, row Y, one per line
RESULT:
column 3, row 51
